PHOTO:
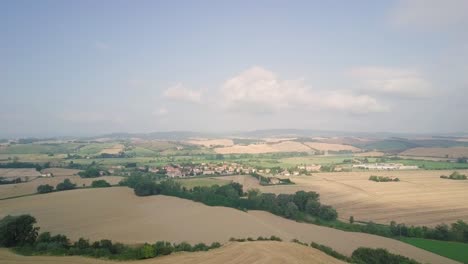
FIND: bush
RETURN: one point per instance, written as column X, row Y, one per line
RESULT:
column 90, row 172
column 45, row 188
column 100, row 184
column 65, row 185
column 327, row 213
column 379, row 256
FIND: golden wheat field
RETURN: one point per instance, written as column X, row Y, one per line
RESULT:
column 260, row 252
column 117, row 214
column 420, row 198
column 12, row 190
column 283, row 146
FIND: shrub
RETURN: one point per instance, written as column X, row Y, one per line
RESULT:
column 100, row 184
column 379, row 256
column 65, row 185
column 45, row 188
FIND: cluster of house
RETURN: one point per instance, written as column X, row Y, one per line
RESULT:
column 176, row 170
column 385, row 166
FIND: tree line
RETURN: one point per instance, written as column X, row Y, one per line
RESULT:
column 298, row 206
column 301, row 206
column 68, row 185
column 21, row 234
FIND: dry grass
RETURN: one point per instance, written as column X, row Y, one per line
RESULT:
column 12, row 190
column 453, row 152
column 61, row 171
column 264, row 252
column 116, row 213
column 212, row 142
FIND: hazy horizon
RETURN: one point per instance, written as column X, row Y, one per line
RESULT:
column 90, row 68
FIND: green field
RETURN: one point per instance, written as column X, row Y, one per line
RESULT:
column 432, row 165
column 190, row 183
column 453, row 250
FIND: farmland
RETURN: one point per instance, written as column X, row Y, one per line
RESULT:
column 452, row 152
column 453, row 250
column 265, row 252
column 13, row 190
column 173, row 219
column 420, row 198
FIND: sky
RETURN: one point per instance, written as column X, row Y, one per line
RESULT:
column 70, row 68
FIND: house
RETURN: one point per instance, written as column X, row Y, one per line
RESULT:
column 173, row 172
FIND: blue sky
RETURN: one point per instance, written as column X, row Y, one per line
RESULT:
column 91, row 67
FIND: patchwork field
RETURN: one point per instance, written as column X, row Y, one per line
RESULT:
column 264, row 252
column 212, row 142
column 331, row 147
column 420, row 198
column 452, row 152
column 12, row 190
column 17, row 173
column 283, row 146
column 119, row 215
column 115, row 149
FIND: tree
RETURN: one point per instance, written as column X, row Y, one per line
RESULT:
column 45, row 188
column 90, row 172
column 327, row 212
column 351, row 219
column 147, row 251
column 100, row 184
column 144, row 188
column 65, row 185
column 18, row 230
column 291, row 210
column 312, row 207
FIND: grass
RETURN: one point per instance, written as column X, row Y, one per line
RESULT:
column 432, row 165
column 190, row 183
column 453, row 250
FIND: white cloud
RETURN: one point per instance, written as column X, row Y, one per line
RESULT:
column 161, row 111
column 392, row 81
column 258, row 90
column 429, row 14
column 179, row 93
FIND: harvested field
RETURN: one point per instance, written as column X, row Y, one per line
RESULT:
column 261, row 252
column 19, row 173
column 331, row 147
column 452, row 152
column 61, row 171
column 116, row 213
column 12, row 190
column 212, row 142
column 284, row 146
column 420, row 198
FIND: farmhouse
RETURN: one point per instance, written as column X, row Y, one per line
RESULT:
column 173, row 172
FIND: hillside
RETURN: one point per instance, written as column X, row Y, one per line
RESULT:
column 117, row 214
column 233, row 253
